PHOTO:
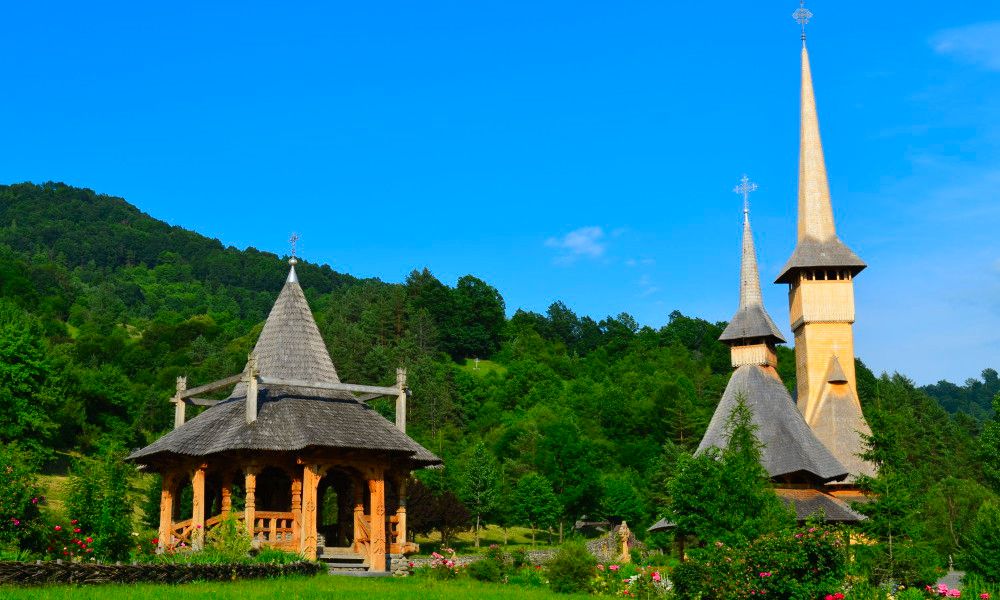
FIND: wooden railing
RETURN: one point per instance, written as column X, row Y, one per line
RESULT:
column 270, row 528
column 275, row 529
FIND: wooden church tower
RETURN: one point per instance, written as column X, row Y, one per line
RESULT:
column 820, row 276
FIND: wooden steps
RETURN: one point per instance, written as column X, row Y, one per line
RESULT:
column 344, row 561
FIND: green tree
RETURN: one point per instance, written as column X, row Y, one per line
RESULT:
column 894, row 521
column 989, row 448
column 24, row 372
column 727, row 496
column 481, row 488
column 20, row 495
column 535, row 502
column 982, row 544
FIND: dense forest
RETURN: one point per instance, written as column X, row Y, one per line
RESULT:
column 102, row 306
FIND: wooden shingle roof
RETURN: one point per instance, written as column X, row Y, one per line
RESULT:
column 289, row 419
column 791, row 450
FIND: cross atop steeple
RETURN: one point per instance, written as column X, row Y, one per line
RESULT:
column 294, row 240
column 802, row 15
column 745, row 188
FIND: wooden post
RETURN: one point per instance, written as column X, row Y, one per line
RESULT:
column 179, row 402
column 377, row 548
column 166, row 512
column 401, row 400
column 251, row 387
column 198, row 509
column 297, row 509
column 311, row 474
column 401, row 513
column 359, row 513
column 250, row 508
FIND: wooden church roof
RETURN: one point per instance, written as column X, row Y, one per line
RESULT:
column 289, row 418
column 791, row 450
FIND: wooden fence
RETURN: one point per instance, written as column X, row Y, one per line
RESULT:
column 47, row 572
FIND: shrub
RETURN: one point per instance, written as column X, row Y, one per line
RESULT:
column 519, row 558
column 803, row 565
column 20, row 497
column 229, row 538
column 571, row 569
column 99, row 498
column 485, row 570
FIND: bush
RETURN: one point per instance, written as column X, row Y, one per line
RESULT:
column 519, row 558
column 229, row 538
column 571, row 569
column 99, row 498
column 20, row 496
column 805, row 565
column 485, row 570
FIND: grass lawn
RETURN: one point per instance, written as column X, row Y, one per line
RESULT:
column 485, row 367
column 463, row 542
column 321, row 586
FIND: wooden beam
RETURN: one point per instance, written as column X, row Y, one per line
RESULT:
column 401, row 392
column 201, row 401
column 211, row 387
column 250, row 504
column 339, row 387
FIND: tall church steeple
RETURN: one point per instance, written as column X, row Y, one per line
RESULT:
column 751, row 333
column 820, row 275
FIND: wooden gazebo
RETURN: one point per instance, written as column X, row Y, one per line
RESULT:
column 315, row 468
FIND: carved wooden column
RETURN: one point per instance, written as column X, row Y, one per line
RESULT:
column 377, row 548
column 250, row 509
column 359, row 515
column 297, row 508
column 401, row 514
column 227, row 494
column 198, row 508
column 166, row 512
column 311, row 474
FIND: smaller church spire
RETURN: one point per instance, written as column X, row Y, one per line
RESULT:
column 751, row 324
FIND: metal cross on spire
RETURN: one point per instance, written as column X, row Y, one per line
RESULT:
column 293, row 240
column 802, row 15
column 745, row 188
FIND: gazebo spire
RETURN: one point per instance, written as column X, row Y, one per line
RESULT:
column 292, row 277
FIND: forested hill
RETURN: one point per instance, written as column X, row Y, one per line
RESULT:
column 102, row 306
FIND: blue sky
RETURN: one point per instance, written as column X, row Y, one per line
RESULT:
column 582, row 151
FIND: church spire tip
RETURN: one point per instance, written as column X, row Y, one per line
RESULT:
column 802, row 15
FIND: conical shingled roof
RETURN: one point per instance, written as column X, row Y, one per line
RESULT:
column 289, row 419
column 818, row 244
column 751, row 319
column 791, row 450
column 839, row 424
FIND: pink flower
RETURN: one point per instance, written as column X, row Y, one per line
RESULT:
column 600, row 567
column 954, row 594
column 74, row 522
column 656, row 576
column 613, row 567
column 984, row 596
column 34, row 500
column 58, row 528
column 828, row 597
column 838, row 596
